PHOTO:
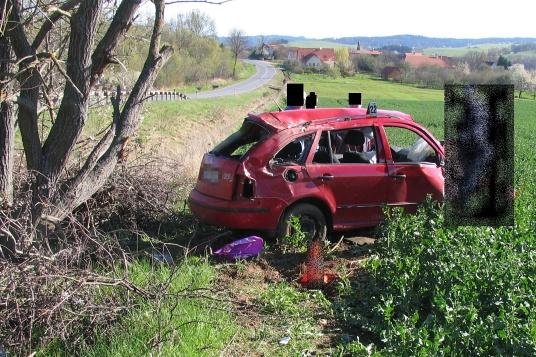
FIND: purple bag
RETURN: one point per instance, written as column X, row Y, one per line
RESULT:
column 241, row 249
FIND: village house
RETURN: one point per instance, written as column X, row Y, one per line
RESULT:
column 358, row 51
column 319, row 58
column 417, row 59
column 312, row 57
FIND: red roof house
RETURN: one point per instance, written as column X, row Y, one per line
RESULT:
column 417, row 59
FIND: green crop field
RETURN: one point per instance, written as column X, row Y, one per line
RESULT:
column 434, row 290
column 460, row 51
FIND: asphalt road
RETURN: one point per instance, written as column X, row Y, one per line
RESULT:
column 265, row 72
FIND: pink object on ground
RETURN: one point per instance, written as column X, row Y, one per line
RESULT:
column 241, row 249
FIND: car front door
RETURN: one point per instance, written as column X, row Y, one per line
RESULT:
column 341, row 172
column 413, row 166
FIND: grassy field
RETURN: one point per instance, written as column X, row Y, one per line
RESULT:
column 461, row 51
column 244, row 71
column 421, row 290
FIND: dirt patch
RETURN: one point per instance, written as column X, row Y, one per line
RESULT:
column 242, row 283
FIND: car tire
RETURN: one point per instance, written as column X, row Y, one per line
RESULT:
column 312, row 220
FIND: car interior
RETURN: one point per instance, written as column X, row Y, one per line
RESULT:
column 355, row 146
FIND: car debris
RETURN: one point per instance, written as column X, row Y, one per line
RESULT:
column 284, row 341
column 244, row 248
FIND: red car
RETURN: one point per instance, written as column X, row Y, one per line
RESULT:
column 335, row 168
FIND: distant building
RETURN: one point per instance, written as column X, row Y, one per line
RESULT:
column 320, row 57
column 417, row 59
column 312, row 57
column 358, row 51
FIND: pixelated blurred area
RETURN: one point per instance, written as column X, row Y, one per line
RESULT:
column 479, row 146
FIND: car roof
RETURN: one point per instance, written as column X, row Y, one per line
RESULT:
column 280, row 120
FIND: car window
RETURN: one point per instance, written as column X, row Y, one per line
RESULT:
column 294, row 152
column 355, row 146
column 409, row 147
column 239, row 143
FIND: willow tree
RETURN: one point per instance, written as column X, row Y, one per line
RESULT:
column 58, row 39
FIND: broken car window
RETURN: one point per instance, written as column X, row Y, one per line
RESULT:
column 294, row 152
column 408, row 146
column 239, row 143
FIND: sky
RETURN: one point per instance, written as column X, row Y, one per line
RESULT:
column 340, row 18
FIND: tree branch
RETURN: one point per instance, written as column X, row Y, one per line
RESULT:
column 29, row 80
column 121, row 22
column 96, row 172
column 73, row 108
column 51, row 20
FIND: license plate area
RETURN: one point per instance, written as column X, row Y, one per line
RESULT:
column 211, row 175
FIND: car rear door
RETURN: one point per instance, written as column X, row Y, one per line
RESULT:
column 412, row 165
column 357, row 190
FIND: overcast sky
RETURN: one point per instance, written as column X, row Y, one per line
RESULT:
column 339, row 18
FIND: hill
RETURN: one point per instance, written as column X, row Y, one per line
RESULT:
column 414, row 41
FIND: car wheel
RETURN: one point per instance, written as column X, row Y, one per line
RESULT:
column 312, row 221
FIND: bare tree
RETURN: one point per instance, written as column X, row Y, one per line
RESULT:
column 237, row 43
column 7, row 124
column 57, row 191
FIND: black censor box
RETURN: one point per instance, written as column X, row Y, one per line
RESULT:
column 479, row 147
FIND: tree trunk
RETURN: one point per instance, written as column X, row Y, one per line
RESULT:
column 105, row 156
column 234, row 66
column 54, row 193
column 7, row 125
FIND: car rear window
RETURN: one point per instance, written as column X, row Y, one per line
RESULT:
column 240, row 142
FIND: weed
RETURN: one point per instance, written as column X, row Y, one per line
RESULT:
column 297, row 240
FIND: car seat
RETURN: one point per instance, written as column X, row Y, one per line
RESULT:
column 322, row 154
column 354, row 138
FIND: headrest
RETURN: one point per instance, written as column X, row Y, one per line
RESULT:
column 354, row 137
column 323, row 141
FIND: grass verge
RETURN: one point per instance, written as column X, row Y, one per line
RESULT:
column 185, row 322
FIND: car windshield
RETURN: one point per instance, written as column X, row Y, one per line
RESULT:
column 239, row 143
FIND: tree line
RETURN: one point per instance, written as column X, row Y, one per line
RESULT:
column 199, row 57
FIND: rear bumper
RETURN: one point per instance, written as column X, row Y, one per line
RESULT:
column 258, row 213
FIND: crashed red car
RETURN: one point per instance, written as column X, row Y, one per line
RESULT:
column 335, row 168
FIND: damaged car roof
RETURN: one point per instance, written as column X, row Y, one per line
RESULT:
column 280, row 120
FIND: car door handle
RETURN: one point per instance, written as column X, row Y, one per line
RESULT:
column 399, row 176
column 326, row 177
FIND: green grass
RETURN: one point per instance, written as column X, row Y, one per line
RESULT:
column 188, row 326
column 168, row 119
column 295, row 315
column 334, row 92
column 243, row 71
column 461, row 51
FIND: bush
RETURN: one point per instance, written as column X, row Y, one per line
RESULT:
column 293, row 66
column 366, row 64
